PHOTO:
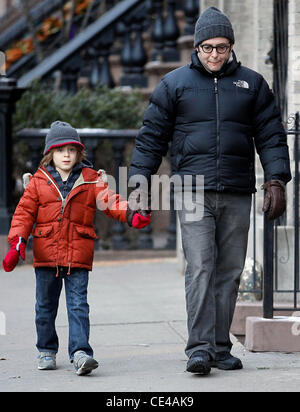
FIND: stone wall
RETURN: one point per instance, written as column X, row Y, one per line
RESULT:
column 294, row 57
column 293, row 85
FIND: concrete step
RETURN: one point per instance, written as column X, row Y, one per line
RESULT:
column 244, row 310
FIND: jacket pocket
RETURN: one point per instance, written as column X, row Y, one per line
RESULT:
column 42, row 231
column 86, row 232
column 43, row 244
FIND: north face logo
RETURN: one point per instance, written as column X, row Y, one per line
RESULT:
column 242, row 83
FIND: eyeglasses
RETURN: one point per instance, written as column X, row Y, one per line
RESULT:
column 220, row 48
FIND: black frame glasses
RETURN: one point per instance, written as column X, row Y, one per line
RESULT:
column 220, row 48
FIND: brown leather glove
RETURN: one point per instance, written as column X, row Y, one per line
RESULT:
column 274, row 201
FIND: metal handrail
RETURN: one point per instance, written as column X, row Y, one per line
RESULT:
column 31, row 133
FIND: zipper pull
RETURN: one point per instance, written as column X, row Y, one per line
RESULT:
column 216, row 85
column 69, row 271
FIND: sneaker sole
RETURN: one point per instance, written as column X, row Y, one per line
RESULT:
column 46, row 368
column 198, row 367
column 87, row 367
column 225, row 367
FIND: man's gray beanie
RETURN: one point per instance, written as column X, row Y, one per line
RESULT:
column 213, row 23
column 60, row 134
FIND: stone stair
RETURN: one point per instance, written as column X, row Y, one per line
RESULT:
column 155, row 70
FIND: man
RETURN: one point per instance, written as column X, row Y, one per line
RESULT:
column 215, row 112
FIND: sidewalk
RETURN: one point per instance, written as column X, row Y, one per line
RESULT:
column 138, row 332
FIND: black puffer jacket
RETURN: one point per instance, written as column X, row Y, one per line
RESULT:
column 214, row 124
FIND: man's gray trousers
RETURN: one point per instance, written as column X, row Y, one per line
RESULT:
column 215, row 248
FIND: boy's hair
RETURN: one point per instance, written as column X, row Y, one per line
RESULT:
column 48, row 158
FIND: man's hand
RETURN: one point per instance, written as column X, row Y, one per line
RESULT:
column 138, row 218
column 17, row 248
column 274, row 202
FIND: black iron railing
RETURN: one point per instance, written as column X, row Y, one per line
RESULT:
column 274, row 276
column 280, row 54
column 271, row 247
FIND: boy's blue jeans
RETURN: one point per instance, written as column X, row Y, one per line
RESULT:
column 48, row 289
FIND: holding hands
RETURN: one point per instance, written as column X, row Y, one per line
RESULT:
column 138, row 218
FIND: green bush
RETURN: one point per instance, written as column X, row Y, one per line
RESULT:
column 99, row 108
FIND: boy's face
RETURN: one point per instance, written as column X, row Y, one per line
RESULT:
column 65, row 157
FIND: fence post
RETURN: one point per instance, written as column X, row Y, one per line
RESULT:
column 296, row 210
column 9, row 94
column 268, row 268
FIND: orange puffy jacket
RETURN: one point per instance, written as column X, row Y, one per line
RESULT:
column 64, row 233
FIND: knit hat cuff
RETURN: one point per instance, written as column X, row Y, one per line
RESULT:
column 212, row 31
column 54, row 146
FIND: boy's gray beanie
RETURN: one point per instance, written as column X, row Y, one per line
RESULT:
column 213, row 23
column 60, row 134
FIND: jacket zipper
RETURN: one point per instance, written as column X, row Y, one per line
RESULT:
column 64, row 201
column 218, row 131
column 63, row 205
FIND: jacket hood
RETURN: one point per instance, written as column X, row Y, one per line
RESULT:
column 87, row 172
column 227, row 69
column 86, row 163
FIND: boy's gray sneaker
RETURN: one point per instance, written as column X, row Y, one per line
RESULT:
column 83, row 363
column 47, row 361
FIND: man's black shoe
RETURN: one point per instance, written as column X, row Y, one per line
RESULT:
column 225, row 361
column 199, row 362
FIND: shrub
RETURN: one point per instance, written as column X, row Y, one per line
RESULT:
column 101, row 108
column 98, row 108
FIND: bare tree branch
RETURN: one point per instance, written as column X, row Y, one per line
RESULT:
column 70, row 22
column 62, row 13
column 102, row 8
column 26, row 11
column 87, row 15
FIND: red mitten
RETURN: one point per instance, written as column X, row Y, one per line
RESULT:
column 140, row 221
column 17, row 247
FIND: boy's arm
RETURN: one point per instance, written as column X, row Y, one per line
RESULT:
column 111, row 203
column 115, row 206
column 25, row 213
